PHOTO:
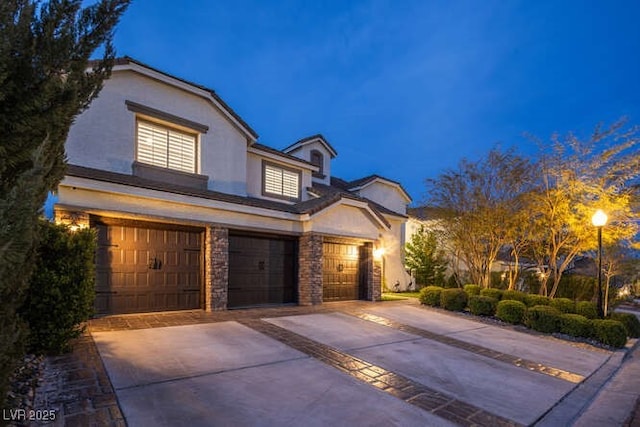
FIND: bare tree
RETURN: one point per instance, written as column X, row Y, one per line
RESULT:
column 478, row 202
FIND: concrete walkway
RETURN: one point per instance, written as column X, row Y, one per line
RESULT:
column 357, row 363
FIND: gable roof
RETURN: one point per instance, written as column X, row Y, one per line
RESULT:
column 323, row 191
column 426, row 213
column 361, row 183
column 279, row 153
column 313, row 138
column 208, row 93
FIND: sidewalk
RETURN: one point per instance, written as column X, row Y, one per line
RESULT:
column 618, row 402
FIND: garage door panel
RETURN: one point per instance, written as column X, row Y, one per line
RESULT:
column 261, row 271
column 341, row 276
column 147, row 268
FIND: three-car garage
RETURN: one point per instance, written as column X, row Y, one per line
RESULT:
column 146, row 267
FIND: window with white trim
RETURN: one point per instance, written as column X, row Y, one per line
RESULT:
column 281, row 182
column 166, row 147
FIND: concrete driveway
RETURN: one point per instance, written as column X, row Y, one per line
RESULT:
column 364, row 364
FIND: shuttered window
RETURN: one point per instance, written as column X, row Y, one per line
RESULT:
column 166, row 147
column 281, row 182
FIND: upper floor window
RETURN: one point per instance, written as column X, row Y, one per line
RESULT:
column 280, row 182
column 166, row 147
column 317, row 159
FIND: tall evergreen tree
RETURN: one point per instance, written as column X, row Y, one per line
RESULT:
column 44, row 84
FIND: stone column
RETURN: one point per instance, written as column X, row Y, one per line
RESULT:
column 310, row 269
column 216, row 268
column 372, row 270
column 376, row 282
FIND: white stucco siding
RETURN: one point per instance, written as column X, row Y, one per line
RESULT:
column 348, row 221
column 393, row 242
column 103, row 137
column 387, row 195
column 304, row 153
column 157, row 206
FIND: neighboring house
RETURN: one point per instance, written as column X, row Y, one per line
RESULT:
column 192, row 212
column 429, row 218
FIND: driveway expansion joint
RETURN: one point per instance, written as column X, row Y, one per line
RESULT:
column 473, row 348
column 406, row 389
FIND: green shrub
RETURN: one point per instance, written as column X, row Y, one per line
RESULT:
column 472, row 289
column 587, row 309
column 543, row 318
column 511, row 311
column 62, row 288
column 563, row 305
column 514, row 295
column 491, row 292
column 453, row 299
column 430, row 295
column 609, row 332
column 482, row 306
column 630, row 322
column 576, row 287
column 575, row 325
column 535, row 299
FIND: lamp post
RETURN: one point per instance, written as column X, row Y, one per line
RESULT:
column 599, row 219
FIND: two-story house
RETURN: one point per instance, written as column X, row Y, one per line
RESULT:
column 192, row 212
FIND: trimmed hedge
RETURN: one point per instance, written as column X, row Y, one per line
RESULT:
column 543, row 318
column 472, row 289
column 491, row 292
column 453, row 299
column 482, row 306
column 563, row 305
column 630, row 322
column 609, row 332
column 430, row 295
column 587, row 309
column 62, row 288
column 514, row 295
column 535, row 299
column 575, row 325
column 511, row 311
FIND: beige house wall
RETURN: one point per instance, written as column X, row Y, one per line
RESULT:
column 222, row 149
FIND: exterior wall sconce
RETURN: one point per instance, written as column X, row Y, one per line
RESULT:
column 378, row 253
column 75, row 220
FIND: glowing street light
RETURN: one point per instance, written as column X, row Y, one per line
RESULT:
column 599, row 219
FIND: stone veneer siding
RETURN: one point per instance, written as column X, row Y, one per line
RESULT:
column 374, row 293
column 216, row 268
column 371, row 269
column 310, row 269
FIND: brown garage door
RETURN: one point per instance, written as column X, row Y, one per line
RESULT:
column 341, row 275
column 147, row 267
column 262, row 271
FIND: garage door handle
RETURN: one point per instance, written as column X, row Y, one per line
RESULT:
column 260, row 265
column 191, row 290
column 106, row 292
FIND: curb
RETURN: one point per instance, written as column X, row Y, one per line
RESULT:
column 569, row 409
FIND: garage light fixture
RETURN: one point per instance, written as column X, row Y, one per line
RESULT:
column 74, row 221
column 378, row 253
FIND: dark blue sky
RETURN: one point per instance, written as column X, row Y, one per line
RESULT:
column 403, row 89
